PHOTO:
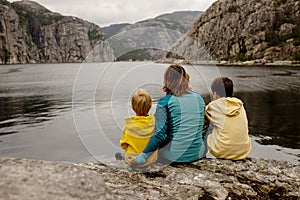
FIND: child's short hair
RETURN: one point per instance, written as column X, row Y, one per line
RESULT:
column 141, row 102
column 223, row 86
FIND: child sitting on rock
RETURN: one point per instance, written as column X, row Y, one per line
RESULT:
column 229, row 138
column 138, row 129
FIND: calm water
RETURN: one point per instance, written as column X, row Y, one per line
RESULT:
column 74, row 112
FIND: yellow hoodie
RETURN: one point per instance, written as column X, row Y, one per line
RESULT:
column 229, row 138
column 136, row 134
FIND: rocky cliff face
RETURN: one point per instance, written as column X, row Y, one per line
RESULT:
column 244, row 30
column 205, row 179
column 157, row 35
column 30, row 33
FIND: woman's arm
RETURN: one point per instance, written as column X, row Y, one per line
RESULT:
column 161, row 127
column 159, row 136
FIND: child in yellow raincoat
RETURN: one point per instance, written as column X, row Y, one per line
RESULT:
column 138, row 130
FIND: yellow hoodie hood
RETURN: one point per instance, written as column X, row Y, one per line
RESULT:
column 140, row 126
column 229, row 106
column 233, row 106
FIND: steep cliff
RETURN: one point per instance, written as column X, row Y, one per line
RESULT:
column 268, row 30
column 30, row 33
column 151, row 38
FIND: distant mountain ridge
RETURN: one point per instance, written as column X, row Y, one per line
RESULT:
column 179, row 20
column 183, row 18
column 113, row 29
column 152, row 38
column 30, row 33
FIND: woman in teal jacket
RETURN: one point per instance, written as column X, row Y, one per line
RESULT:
column 178, row 122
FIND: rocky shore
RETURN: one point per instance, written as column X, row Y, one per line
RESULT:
column 260, row 62
column 252, row 178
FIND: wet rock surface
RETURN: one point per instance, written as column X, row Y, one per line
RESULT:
column 253, row 178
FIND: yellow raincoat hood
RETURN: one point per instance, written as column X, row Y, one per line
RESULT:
column 140, row 126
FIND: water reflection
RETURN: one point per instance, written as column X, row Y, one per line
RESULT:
column 272, row 117
column 17, row 111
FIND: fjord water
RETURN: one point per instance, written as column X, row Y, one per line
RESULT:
column 74, row 112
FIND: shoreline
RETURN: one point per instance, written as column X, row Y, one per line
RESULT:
column 255, row 63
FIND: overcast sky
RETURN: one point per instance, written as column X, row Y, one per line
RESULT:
column 106, row 12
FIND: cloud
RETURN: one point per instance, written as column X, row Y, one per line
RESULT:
column 107, row 12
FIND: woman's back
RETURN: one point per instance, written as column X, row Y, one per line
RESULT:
column 183, row 117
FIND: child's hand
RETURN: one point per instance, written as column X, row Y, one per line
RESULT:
column 131, row 160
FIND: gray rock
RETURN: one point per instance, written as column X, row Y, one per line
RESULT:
column 33, row 179
column 252, row 178
column 244, row 30
column 30, row 33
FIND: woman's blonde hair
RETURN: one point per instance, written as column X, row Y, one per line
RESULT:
column 176, row 80
column 141, row 102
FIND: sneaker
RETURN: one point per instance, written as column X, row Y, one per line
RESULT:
column 119, row 156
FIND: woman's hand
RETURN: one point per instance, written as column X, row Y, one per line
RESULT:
column 131, row 160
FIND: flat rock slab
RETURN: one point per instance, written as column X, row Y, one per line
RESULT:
column 252, row 178
column 35, row 180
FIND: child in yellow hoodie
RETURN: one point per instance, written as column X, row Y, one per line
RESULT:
column 229, row 138
column 138, row 130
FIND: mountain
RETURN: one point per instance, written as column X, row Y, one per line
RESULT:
column 179, row 21
column 184, row 18
column 241, row 30
column 113, row 29
column 30, row 33
column 151, row 38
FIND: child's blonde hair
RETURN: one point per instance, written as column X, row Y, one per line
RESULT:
column 141, row 102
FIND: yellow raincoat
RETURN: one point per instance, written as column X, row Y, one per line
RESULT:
column 136, row 134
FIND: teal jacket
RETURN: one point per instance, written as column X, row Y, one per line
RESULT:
column 178, row 129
